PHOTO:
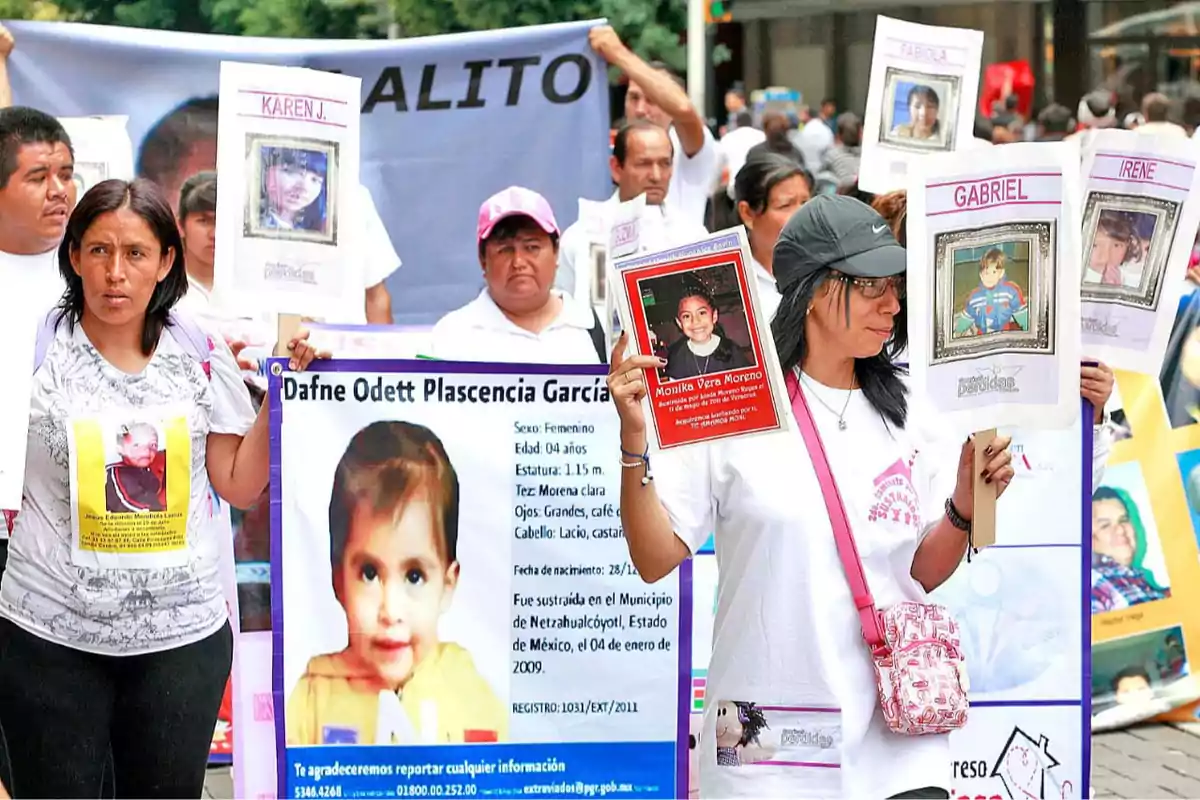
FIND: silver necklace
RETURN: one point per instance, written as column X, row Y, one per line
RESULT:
column 841, row 418
column 699, row 369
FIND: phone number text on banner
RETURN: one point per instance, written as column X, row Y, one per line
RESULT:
column 450, row 570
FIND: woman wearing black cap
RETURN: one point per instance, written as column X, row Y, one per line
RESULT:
column 787, row 640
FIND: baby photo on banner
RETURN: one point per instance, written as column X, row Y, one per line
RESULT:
column 1138, row 229
column 993, row 277
column 287, row 181
column 921, row 98
column 696, row 307
column 130, row 489
column 423, row 641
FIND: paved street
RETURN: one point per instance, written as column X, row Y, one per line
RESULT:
column 1147, row 763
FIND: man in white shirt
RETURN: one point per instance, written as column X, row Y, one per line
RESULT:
column 816, row 137
column 735, row 145
column 1156, row 108
column 519, row 317
column 37, row 195
column 655, row 94
column 642, row 162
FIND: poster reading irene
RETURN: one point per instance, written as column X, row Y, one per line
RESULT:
column 695, row 313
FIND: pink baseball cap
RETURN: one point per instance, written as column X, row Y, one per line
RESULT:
column 515, row 201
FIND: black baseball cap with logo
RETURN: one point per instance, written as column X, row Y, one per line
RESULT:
column 839, row 233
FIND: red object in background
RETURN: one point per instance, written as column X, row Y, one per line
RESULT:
column 222, row 741
column 479, row 737
column 1000, row 80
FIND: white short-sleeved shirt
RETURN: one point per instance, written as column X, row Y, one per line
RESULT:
column 693, row 179
column 661, row 227
column 786, row 633
column 118, row 611
column 768, row 289
column 479, row 331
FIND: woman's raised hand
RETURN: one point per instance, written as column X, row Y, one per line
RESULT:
column 997, row 470
column 627, row 386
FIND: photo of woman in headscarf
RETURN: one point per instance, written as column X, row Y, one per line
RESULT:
column 705, row 348
column 1119, row 248
column 923, row 106
column 1120, row 577
column 293, row 189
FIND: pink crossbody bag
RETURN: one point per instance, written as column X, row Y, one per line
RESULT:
column 915, row 647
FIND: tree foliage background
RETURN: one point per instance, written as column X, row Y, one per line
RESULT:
column 651, row 27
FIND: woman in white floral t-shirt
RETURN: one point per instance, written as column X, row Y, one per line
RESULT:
column 114, row 634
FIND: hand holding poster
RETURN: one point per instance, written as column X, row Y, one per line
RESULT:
column 921, row 98
column 696, row 307
column 520, row 650
column 993, row 271
column 1141, row 209
column 287, row 181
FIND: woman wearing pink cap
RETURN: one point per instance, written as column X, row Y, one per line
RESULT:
column 519, row 317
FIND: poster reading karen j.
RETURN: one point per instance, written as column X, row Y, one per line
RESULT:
column 287, row 191
column 993, row 286
column 455, row 612
column 1140, row 212
column 696, row 307
column 920, row 99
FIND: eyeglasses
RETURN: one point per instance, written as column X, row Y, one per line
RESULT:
column 875, row 288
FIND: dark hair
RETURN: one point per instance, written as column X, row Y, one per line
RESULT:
column 753, row 721
column 620, row 148
column 384, row 466
column 21, row 125
column 669, row 71
column 893, row 207
column 879, row 376
column 1055, row 118
column 510, row 227
column 693, row 288
column 983, row 128
column 174, row 136
column 762, row 173
column 849, row 128
column 829, row 101
column 776, row 127
column 146, row 200
column 198, row 195
column 744, row 119
column 924, row 92
column 1130, row 672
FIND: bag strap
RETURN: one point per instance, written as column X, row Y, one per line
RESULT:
column 598, row 340
column 45, row 336
column 186, row 330
column 868, row 617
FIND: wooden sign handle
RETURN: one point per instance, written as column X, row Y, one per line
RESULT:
column 983, row 516
column 288, row 327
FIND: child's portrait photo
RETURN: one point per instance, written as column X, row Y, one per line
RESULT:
column 394, row 510
column 993, row 291
column 1126, row 244
column 1128, row 567
column 291, row 189
column 135, row 469
column 698, row 322
column 1140, row 676
column 920, row 111
column 87, row 174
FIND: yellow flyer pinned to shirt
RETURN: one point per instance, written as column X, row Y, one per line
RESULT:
column 130, row 489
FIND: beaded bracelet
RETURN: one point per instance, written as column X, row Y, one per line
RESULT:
column 963, row 524
column 643, row 460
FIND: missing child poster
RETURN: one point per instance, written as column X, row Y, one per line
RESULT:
column 427, row 641
column 1138, row 229
column 993, row 277
column 1022, row 613
column 696, row 307
column 102, row 148
column 130, row 481
column 287, row 185
column 920, row 100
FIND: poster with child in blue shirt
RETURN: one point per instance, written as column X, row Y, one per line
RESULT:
column 995, row 301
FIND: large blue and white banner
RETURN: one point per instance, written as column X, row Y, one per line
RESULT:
column 455, row 612
column 446, row 122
